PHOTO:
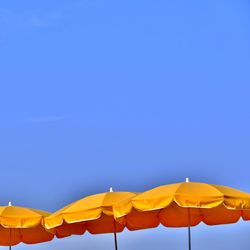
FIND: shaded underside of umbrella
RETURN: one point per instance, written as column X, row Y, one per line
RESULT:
column 104, row 224
column 176, row 216
column 14, row 236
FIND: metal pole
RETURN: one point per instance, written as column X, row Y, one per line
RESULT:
column 189, row 238
column 10, row 236
column 189, row 230
column 115, row 238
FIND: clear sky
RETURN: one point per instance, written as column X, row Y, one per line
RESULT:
column 129, row 94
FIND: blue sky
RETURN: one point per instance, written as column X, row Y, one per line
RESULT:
column 128, row 94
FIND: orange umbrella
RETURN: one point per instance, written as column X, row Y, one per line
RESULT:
column 93, row 214
column 183, row 205
column 19, row 224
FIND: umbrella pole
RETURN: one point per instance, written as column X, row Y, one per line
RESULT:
column 10, row 236
column 189, row 238
column 189, row 230
column 115, row 238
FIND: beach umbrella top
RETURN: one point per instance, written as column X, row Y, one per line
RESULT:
column 21, row 217
column 20, row 224
column 93, row 213
column 87, row 209
column 187, row 195
column 184, row 204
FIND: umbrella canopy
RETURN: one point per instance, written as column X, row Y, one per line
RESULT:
column 93, row 214
column 19, row 224
column 183, row 205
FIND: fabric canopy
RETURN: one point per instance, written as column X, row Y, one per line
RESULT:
column 182, row 205
column 93, row 213
column 19, row 224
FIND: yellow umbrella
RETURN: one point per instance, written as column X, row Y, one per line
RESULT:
column 183, row 205
column 93, row 214
column 19, row 224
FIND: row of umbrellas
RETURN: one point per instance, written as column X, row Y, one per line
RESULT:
column 183, row 204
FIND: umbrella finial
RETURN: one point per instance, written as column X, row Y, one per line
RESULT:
column 9, row 204
column 111, row 190
column 187, row 179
